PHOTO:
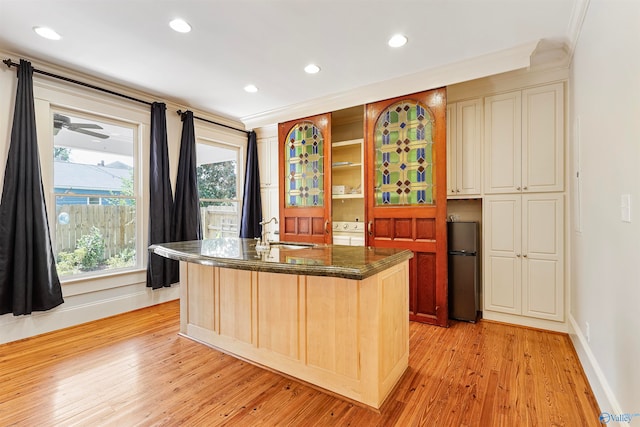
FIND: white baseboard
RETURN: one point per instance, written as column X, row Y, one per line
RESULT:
column 599, row 384
column 73, row 313
column 530, row 322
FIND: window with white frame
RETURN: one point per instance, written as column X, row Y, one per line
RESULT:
column 218, row 188
column 95, row 191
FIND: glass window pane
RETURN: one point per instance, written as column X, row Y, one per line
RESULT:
column 304, row 149
column 95, row 224
column 217, row 175
column 404, row 154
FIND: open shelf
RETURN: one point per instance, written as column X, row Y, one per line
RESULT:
column 350, row 165
column 348, row 196
column 347, row 142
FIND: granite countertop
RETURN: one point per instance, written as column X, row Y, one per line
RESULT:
column 349, row 262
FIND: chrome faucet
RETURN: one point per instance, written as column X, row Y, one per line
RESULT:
column 263, row 244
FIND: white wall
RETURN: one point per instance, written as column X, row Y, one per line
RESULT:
column 605, row 258
column 93, row 298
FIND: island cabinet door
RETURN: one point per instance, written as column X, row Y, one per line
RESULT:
column 406, row 193
column 305, row 179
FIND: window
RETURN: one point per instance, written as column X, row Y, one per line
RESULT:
column 218, row 188
column 95, row 196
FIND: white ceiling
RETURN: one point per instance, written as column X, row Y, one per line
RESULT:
column 268, row 43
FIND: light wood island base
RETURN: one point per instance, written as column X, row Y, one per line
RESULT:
column 350, row 337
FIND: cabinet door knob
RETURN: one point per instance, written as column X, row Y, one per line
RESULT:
column 524, row 188
column 525, row 255
column 369, row 225
column 457, row 190
column 518, row 255
column 518, row 188
column 326, row 226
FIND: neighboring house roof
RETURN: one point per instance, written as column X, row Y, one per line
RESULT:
column 77, row 176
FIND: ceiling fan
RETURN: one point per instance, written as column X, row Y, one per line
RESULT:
column 60, row 121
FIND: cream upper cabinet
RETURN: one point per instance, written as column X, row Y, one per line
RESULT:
column 524, row 141
column 451, row 149
column 523, row 255
column 268, row 162
column 502, row 139
column 268, row 167
column 464, row 142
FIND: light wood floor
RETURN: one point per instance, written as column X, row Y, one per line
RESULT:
column 134, row 369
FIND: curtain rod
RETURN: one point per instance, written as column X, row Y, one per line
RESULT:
column 180, row 112
column 10, row 64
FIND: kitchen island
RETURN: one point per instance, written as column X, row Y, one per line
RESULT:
column 333, row 316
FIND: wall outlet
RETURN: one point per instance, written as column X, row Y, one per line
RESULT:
column 587, row 332
column 625, row 208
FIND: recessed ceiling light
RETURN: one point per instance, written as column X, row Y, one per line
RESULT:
column 251, row 88
column 47, row 33
column 312, row 69
column 180, row 25
column 397, row 40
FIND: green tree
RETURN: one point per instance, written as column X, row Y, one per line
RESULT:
column 217, row 180
column 61, row 153
column 125, row 190
column 127, row 184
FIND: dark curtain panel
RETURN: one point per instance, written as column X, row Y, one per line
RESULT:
column 251, row 202
column 161, row 271
column 186, row 216
column 28, row 276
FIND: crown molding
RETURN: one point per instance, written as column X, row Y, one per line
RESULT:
column 482, row 66
column 574, row 28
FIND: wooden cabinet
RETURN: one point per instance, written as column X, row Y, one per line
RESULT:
column 524, row 141
column 406, row 205
column 305, row 179
column 350, row 337
column 464, row 142
column 524, row 255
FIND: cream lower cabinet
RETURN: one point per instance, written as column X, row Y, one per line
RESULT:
column 524, row 255
column 464, row 142
column 270, row 198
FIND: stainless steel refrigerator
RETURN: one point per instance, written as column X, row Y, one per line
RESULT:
column 463, row 270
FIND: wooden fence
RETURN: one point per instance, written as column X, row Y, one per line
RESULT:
column 117, row 225
column 219, row 221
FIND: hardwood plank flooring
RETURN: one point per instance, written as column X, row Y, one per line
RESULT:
column 134, row 370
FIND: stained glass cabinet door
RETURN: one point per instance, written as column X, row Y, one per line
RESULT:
column 406, row 193
column 305, row 179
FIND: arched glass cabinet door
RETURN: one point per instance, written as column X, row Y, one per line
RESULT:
column 305, row 204
column 406, row 193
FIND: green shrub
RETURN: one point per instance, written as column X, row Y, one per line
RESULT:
column 68, row 263
column 88, row 255
column 126, row 258
column 93, row 246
